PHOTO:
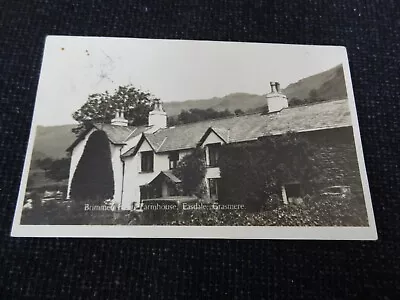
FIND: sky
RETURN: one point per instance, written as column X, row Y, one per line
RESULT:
column 172, row 70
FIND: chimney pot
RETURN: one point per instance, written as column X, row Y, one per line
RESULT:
column 272, row 86
column 277, row 86
column 119, row 119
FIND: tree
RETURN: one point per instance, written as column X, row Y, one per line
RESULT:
column 264, row 110
column 239, row 112
column 192, row 171
column 59, row 169
column 196, row 115
column 44, row 163
column 94, row 179
column 102, row 107
column 295, row 101
column 313, row 95
column 172, row 121
column 31, row 180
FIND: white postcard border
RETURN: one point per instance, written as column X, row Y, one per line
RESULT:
column 219, row 232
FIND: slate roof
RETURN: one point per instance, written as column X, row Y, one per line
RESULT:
column 330, row 114
column 167, row 174
column 130, row 152
column 117, row 135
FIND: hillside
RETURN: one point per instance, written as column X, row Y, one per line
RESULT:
column 230, row 102
column 52, row 141
column 329, row 85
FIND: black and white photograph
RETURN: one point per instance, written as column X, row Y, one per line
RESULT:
column 194, row 139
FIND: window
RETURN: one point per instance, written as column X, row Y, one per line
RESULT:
column 173, row 159
column 213, row 154
column 147, row 161
column 213, row 187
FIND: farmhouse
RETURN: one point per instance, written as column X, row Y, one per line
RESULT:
column 146, row 155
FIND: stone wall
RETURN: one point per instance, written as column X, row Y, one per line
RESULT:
column 336, row 158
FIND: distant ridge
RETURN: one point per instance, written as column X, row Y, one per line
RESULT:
column 329, row 85
column 52, row 141
column 230, row 102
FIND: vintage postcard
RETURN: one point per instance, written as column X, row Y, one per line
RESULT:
column 194, row 139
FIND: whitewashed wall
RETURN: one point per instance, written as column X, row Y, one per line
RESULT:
column 212, row 138
column 276, row 102
column 117, row 170
column 134, row 178
column 211, row 172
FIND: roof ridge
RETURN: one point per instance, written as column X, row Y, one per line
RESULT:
column 162, row 143
column 128, row 126
column 130, row 134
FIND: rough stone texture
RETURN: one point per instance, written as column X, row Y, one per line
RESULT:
column 336, row 158
column 170, row 269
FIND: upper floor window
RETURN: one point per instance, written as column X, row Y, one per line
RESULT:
column 147, row 161
column 213, row 154
column 173, row 159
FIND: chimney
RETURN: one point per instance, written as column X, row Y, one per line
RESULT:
column 275, row 99
column 158, row 117
column 277, row 87
column 273, row 87
column 119, row 119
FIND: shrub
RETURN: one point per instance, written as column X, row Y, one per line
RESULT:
column 330, row 211
column 321, row 212
column 191, row 170
column 272, row 202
